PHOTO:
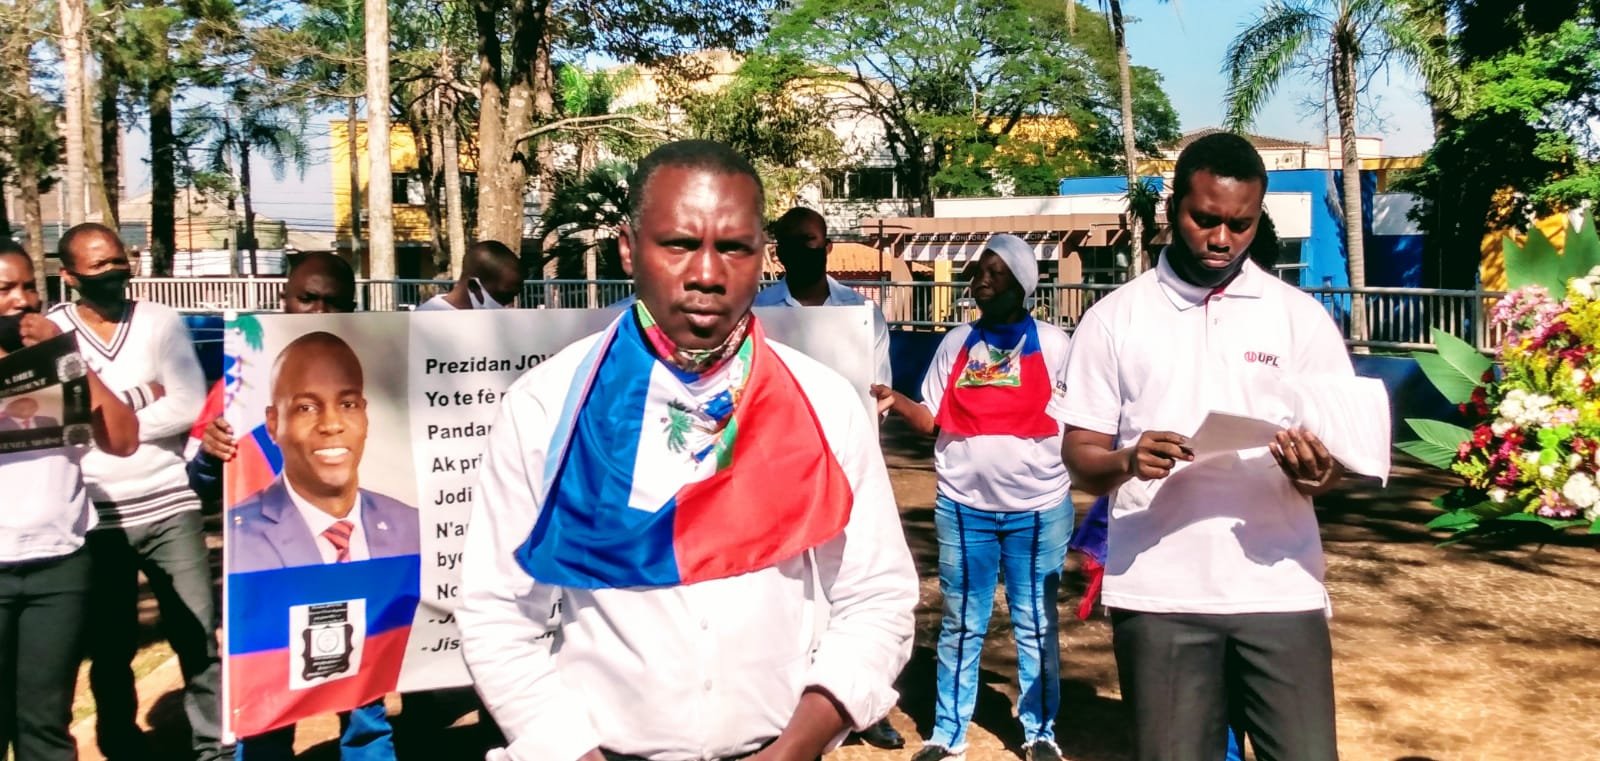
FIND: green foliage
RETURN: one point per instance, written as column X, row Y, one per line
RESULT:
column 584, row 213
column 1438, row 443
column 975, row 97
column 774, row 113
column 1518, row 144
column 1539, row 262
column 1456, row 369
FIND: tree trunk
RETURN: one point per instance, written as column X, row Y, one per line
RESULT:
column 1129, row 150
column 33, row 219
column 163, row 162
column 5, row 213
column 72, row 38
column 507, row 109
column 110, row 152
column 93, row 151
column 1355, row 250
column 353, row 147
column 249, row 205
column 452, row 190
column 428, row 164
column 380, row 187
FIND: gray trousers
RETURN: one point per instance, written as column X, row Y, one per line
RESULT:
column 172, row 555
column 1187, row 676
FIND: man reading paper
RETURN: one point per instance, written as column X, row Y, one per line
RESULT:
column 685, row 545
column 1214, row 571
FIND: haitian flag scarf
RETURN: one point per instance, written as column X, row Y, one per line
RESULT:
column 999, row 385
column 763, row 486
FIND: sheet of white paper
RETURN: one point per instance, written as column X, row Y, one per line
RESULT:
column 1351, row 416
column 1221, row 433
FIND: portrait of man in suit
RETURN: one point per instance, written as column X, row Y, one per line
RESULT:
column 22, row 414
column 316, row 511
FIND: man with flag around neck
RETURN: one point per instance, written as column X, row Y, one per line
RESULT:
column 715, row 545
column 1003, row 496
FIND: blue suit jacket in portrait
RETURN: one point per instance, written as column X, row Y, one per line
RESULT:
column 39, row 421
column 268, row 532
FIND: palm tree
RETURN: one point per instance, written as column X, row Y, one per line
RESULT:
column 1130, row 151
column 582, row 95
column 249, row 126
column 1341, row 42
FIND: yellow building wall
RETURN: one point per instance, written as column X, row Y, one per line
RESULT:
column 410, row 220
column 1492, row 266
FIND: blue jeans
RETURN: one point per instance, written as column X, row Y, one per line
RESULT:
column 974, row 546
column 364, row 735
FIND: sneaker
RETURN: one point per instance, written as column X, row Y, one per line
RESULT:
column 1043, row 750
column 937, row 753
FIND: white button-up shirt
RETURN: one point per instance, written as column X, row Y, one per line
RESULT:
column 320, row 521
column 697, row 671
column 839, row 294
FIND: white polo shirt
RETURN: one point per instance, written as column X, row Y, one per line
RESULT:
column 1005, row 474
column 1228, row 534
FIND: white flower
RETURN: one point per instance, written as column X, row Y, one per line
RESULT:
column 1574, row 460
column 1583, row 286
column 1582, row 491
column 1547, row 472
column 1498, row 495
column 1502, row 427
column 1579, row 376
column 1530, row 459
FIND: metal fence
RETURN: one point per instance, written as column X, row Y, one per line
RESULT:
column 1397, row 318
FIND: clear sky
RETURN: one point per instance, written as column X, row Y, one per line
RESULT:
column 1183, row 40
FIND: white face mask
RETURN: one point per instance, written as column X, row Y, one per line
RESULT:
column 480, row 297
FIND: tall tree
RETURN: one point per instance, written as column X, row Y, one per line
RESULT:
column 31, row 145
column 1130, row 150
column 321, row 61
column 951, row 81
column 249, row 125
column 74, row 17
column 380, row 189
column 1338, row 42
column 515, row 43
column 159, row 47
column 775, row 114
column 1516, row 141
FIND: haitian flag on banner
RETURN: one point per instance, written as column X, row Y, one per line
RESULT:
column 258, row 460
column 316, row 639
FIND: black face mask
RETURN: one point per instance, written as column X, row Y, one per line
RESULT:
column 109, row 288
column 802, row 264
column 11, row 332
column 1194, row 272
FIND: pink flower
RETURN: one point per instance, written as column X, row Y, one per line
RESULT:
column 1553, row 505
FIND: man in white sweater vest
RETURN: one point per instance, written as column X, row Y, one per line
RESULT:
column 149, row 517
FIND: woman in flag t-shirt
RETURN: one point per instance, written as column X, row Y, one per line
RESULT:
column 1002, row 499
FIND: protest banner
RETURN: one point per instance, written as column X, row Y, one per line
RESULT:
column 343, row 588
column 44, row 397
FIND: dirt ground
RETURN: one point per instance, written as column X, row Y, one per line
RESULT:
column 1440, row 654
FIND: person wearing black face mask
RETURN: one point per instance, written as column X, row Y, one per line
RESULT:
column 149, row 518
column 801, row 237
